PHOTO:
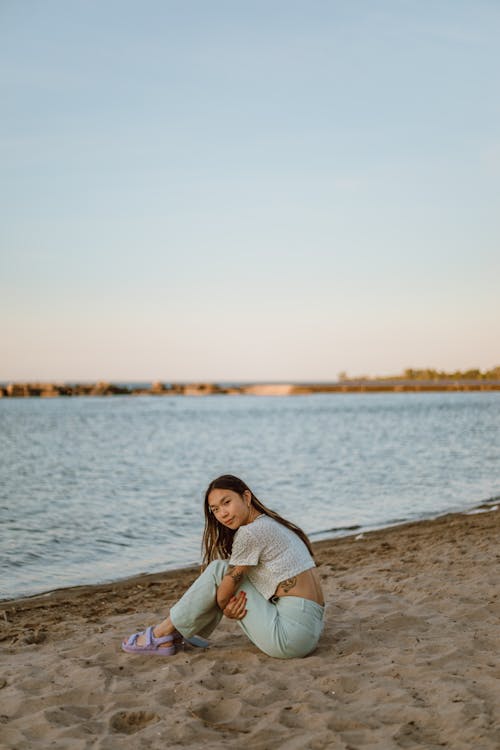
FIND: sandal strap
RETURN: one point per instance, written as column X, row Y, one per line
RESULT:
column 151, row 640
column 131, row 641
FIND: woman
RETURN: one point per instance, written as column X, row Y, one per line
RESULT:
column 259, row 571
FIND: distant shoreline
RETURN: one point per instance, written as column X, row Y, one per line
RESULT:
column 102, row 388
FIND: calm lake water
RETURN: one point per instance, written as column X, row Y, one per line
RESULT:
column 95, row 489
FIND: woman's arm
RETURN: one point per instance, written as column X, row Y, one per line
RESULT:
column 230, row 583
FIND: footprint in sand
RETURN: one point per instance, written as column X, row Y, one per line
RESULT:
column 128, row 722
column 348, row 684
column 35, row 637
column 220, row 713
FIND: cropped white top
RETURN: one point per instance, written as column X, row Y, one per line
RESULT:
column 274, row 552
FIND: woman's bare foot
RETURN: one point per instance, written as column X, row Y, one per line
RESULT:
column 161, row 630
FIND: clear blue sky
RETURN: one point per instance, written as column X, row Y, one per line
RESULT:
column 273, row 190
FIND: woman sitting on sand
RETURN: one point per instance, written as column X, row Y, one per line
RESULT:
column 267, row 580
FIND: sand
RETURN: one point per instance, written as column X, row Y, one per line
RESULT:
column 409, row 658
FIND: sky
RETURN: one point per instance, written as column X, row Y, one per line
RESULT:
column 248, row 191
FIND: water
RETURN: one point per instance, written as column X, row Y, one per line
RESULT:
column 96, row 489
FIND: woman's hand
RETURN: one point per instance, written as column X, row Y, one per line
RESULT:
column 230, row 582
column 235, row 609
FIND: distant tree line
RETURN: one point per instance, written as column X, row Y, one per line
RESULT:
column 430, row 374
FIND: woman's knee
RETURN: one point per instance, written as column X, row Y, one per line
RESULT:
column 217, row 568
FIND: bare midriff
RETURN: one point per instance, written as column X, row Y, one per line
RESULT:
column 306, row 585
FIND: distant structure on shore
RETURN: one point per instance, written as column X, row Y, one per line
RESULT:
column 410, row 381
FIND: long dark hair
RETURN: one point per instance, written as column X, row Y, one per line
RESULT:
column 217, row 539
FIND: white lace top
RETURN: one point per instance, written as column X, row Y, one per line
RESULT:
column 274, row 552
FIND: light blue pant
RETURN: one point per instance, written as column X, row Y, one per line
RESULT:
column 286, row 627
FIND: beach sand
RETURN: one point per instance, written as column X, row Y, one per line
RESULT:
column 410, row 658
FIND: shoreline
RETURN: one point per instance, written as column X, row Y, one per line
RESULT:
column 374, row 385
column 146, row 578
column 52, row 597
column 408, row 658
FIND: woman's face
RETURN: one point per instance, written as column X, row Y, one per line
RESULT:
column 229, row 508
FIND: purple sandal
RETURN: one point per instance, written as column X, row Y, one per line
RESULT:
column 153, row 645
